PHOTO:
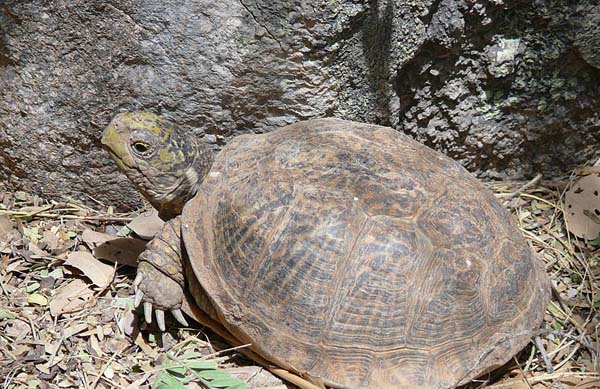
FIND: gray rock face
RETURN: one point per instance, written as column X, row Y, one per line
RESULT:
column 508, row 91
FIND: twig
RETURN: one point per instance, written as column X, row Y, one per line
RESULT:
column 582, row 342
column 544, row 377
column 524, row 187
column 72, row 217
column 547, row 361
column 522, row 373
column 538, row 344
column 106, row 365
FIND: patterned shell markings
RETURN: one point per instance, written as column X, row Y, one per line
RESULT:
column 352, row 253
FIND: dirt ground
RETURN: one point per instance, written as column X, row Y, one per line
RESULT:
column 67, row 318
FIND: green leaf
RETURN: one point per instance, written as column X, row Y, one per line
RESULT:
column 32, row 233
column 6, row 314
column 124, row 232
column 534, row 208
column 34, row 383
column 213, row 374
column 32, row 287
column 72, row 234
column 85, row 357
column 557, row 324
column 597, row 301
column 191, row 355
column 178, row 371
column 56, row 273
column 240, row 385
column 166, row 381
column 201, row 365
column 123, row 302
column 37, row 299
column 596, row 242
column 219, row 378
column 225, row 382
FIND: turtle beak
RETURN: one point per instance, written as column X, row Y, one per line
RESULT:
column 116, row 145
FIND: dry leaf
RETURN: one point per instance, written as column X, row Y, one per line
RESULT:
column 70, row 297
column 93, row 238
column 583, row 171
column 121, row 250
column 146, row 348
column 95, row 345
column 6, row 229
column 582, row 382
column 52, row 348
column 129, row 323
column 98, row 272
column 582, row 207
column 74, row 329
column 50, row 241
column 147, row 224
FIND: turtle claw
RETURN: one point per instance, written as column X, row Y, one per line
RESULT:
column 148, row 312
column 179, row 317
column 160, row 319
column 139, row 295
column 138, row 280
column 157, row 291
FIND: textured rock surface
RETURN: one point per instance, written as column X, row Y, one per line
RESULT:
column 508, row 90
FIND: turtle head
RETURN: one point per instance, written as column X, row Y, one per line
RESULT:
column 165, row 163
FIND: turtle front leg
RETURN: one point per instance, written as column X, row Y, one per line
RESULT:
column 160, row 280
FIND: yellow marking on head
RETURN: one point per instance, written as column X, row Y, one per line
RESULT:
column 148, row 121
column 165, row 155
column 166, row 159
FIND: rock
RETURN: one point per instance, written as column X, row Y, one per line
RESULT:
column 587, row 38
column 489, row 83
column 502, row 56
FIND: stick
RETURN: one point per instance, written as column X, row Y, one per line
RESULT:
column 70, row 217
column 538, row 343
column 524, row 187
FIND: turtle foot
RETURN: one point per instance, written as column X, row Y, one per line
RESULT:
column 160, row 280
column 158, row 292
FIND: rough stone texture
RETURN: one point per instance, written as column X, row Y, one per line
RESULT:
column 508, row 89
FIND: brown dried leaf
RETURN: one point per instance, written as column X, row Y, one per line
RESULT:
column 98, row 272
column 17, row 329
column 581, row 382
column 582, row 203
column 129, row 323
column 74, row 329
column 95, row 346
column 93, row 238
column 70, row 297
column 50, row 241
column 121, row 250
column 6, row 229
column 147, row 224
column 583, row 171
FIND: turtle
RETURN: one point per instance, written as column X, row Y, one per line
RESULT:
column 344, row 252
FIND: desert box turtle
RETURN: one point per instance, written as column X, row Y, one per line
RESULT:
column 345, row 252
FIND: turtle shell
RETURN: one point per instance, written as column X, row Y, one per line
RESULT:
column 357, row 257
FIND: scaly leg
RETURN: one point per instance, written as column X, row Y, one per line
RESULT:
column 160, row 279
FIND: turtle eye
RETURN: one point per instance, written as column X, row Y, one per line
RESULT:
column 141, row 148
